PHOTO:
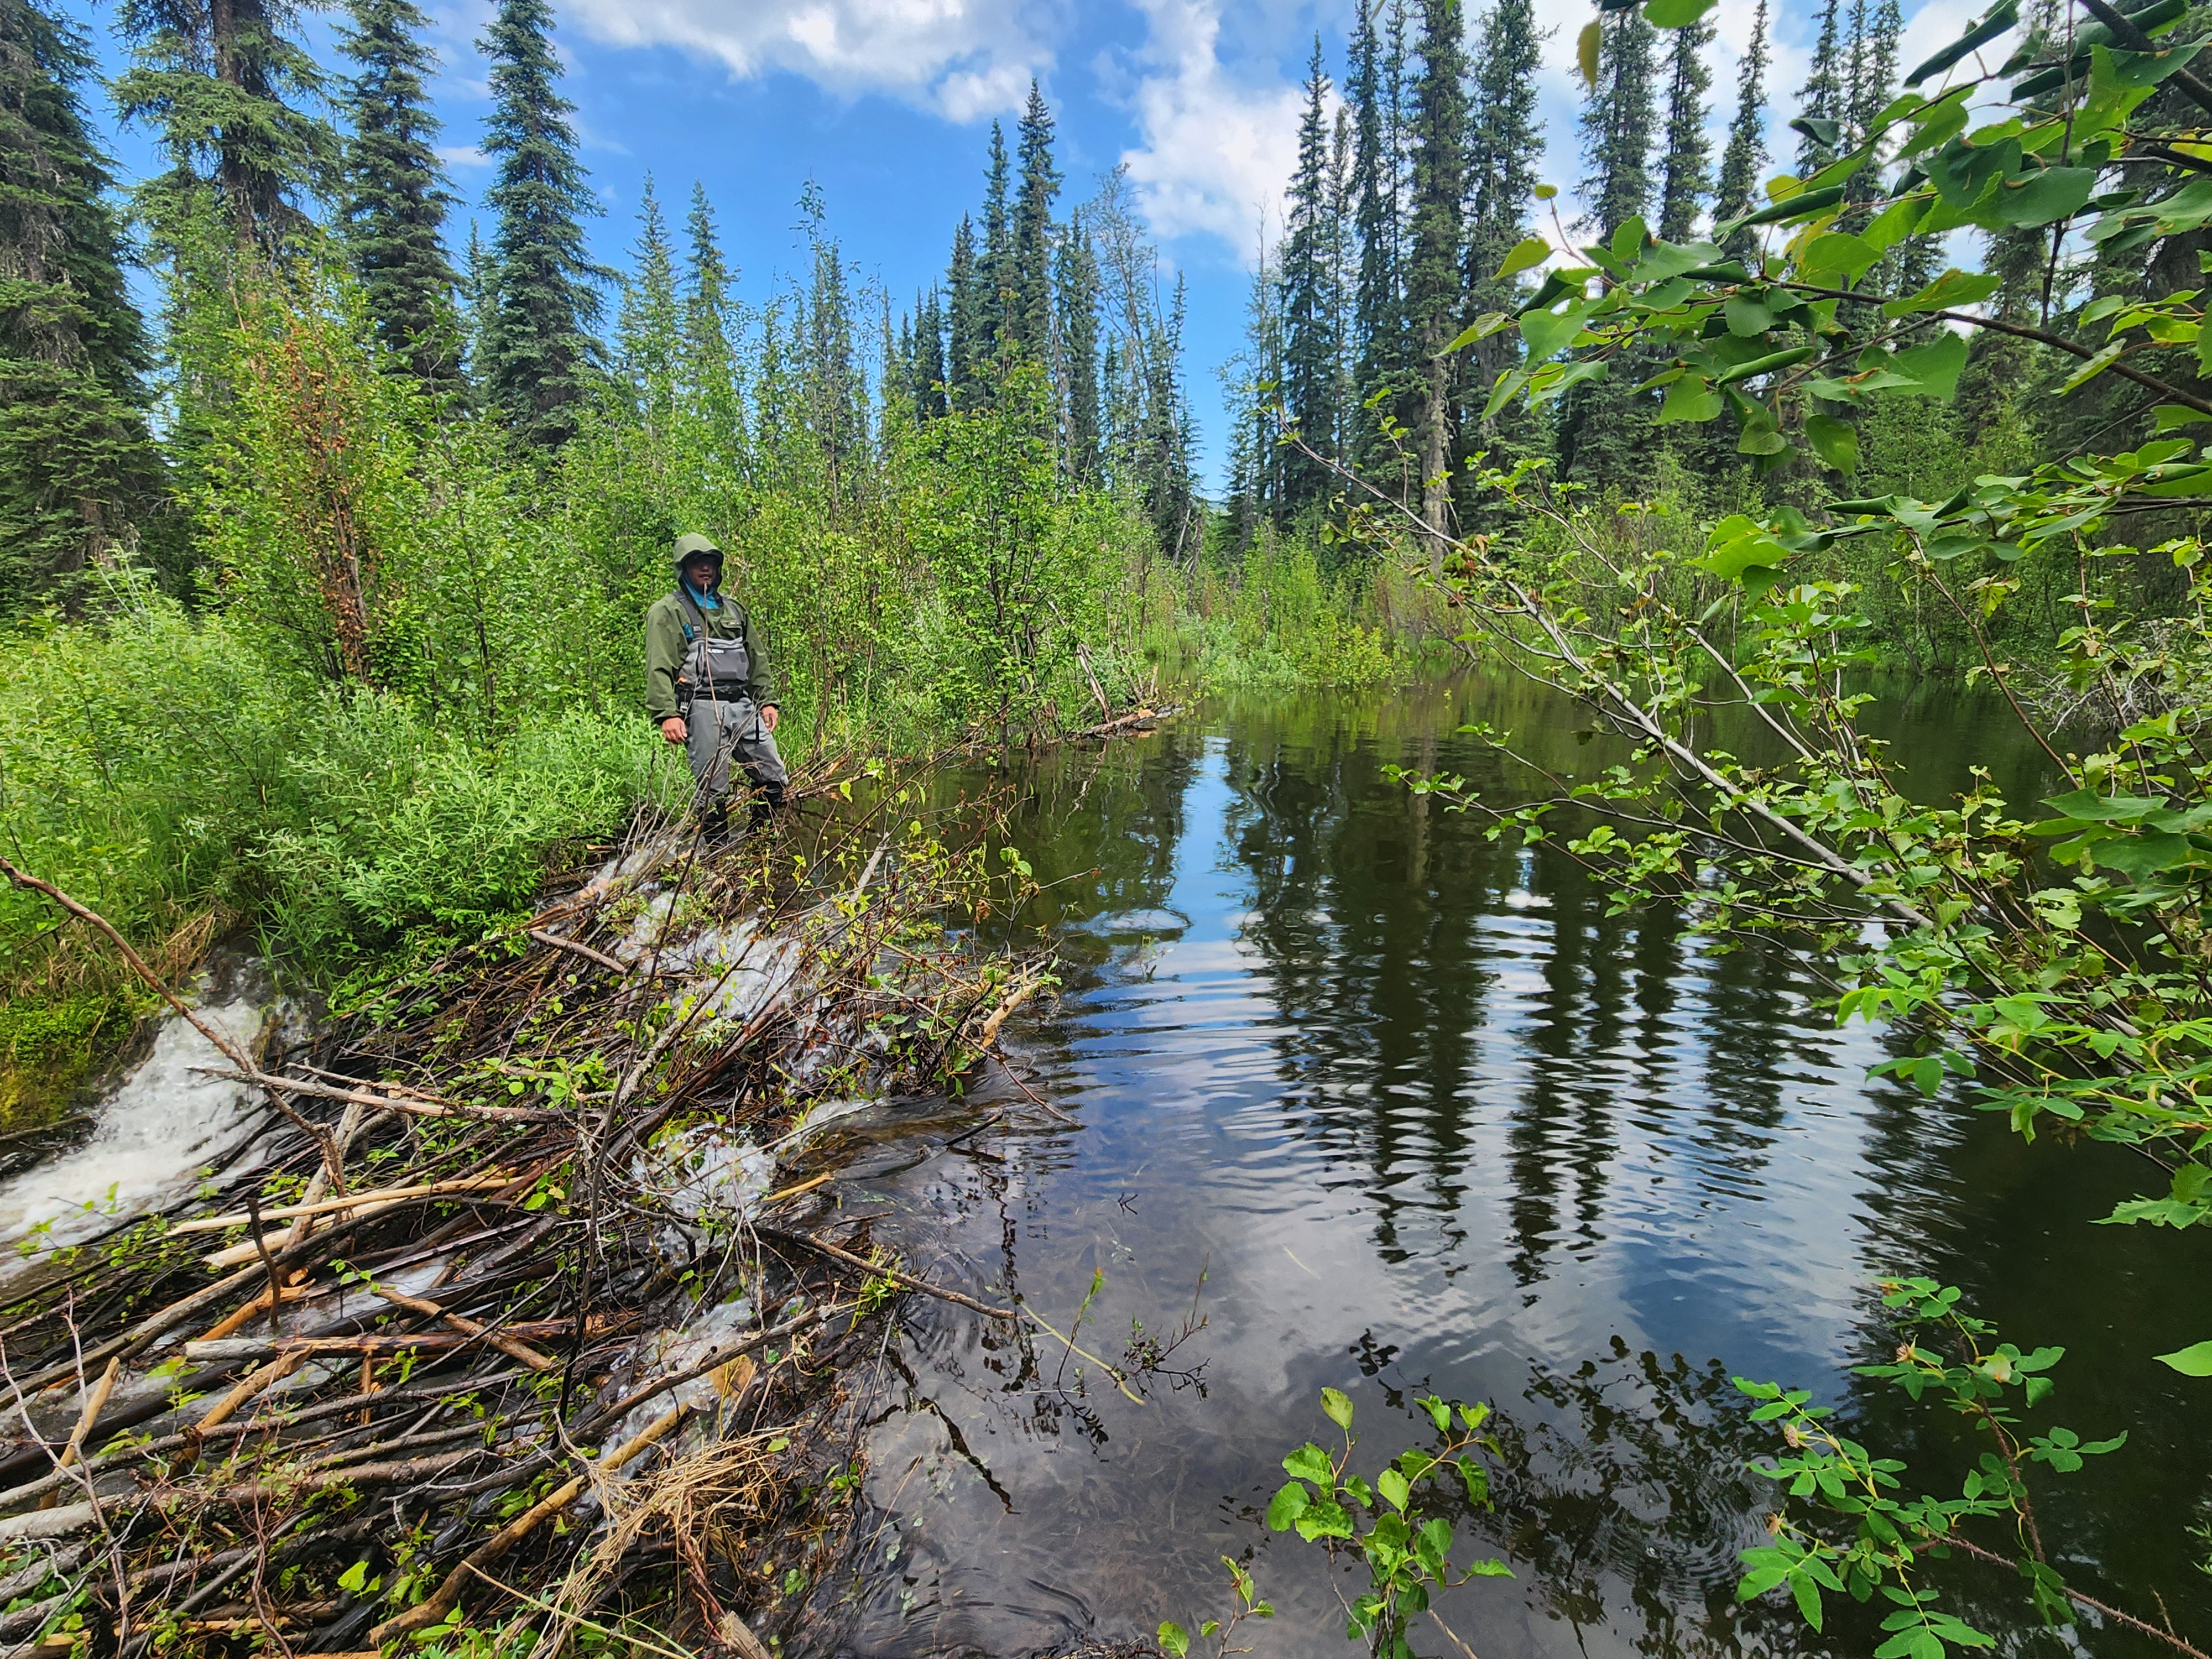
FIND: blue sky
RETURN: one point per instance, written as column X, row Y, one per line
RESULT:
column 887, row 105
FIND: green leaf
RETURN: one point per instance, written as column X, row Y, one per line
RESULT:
column 1738, row 545
column 1175, row 1640
column 2096, row 366
column 1805, row 204
column 1954, row 288
column 1488, row 1570
column 1676, row 13
column 1287, row 1505
column 1528, row 253
column 1439, row 1413
column 2195, row 1360
column 1807, row 1593
column 2044, row 197
column 1834, row 442
column 1833, row 250
column 1481, row 329
column 1326, row 1519
column 1766, row 365
column 1690, row 398
column 1338, row 1406
column 1934, row 366
column 1394, row 1488
column 1998, row 20
column 355, row 1578
column 1545, row 331
column 1310, row 1463
column 1586, row 51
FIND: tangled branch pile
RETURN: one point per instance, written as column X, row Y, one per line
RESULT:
column 501, row 1318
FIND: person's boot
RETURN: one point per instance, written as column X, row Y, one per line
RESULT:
column 767, row 799
column 715, row 825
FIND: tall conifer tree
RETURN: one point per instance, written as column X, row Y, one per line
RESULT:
column 968, row 355
column 929, row 357
column 1745, row 153
column 1308, row 311
column 1079, row 337
column 395, row 190
column 1028, row 297
column 1432, row 265
column 1374, row 187
column 1505, row 143
column 994, row 262
column 78, row 470
column 544, row 295
column 709, row 366
column 648, row 329
column 1684, row 179
column 1619, row 124
column 229, row 85
column 1602, row 423
column 1506, row 147
column 1823, row 98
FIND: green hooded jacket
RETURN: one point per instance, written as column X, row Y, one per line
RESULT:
column 667, row 647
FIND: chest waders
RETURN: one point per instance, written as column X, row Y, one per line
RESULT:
column 723, row 727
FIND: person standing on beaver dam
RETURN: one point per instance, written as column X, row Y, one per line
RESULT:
column 708, row 687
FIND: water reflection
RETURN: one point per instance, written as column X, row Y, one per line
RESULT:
column 1425, row 1116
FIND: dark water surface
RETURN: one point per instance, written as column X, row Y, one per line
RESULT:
column 1426, row 1117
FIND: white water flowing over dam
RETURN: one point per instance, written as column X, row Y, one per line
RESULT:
column 154, row 1130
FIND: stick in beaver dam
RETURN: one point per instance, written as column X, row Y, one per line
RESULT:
column 328, row 1438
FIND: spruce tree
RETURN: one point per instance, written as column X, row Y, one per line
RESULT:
column 395, row 194
column 995, row 262
column 1505, row 146
column 1028, row 293
column 1823, row 96
column 709, row 364
column 648, row 329
column 229, row 86
column 1603, row 424
column 477, row 299
column 1745, row 153
column 78, row 470
column 1079, row 337
column 1343, row 267
column 544, row 295
column 1619, row 123
column 1432, row 265
column 928, row 363
column 1684, row 180
column 1374, row 187
column 968, row 349
column 1308, row 312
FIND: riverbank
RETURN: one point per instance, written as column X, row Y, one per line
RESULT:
column 566, row 1315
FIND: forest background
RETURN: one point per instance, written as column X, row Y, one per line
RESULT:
column 321, row 581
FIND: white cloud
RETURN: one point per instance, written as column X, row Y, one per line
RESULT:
column 962, row 57
column 1217, row 151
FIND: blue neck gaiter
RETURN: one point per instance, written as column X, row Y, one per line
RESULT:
column 704, row 601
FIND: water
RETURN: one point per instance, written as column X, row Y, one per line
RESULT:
column 168, row 1117
column 1425, row 1117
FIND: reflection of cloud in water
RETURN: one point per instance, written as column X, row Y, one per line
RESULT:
column 1425, row 1116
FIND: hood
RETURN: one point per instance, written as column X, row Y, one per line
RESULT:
column 688, row 547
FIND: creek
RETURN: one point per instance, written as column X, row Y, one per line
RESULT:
column 1426, row 1117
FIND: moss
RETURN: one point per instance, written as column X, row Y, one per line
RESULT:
column 51, row 1045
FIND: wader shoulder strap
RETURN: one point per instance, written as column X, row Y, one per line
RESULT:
column 688, row 612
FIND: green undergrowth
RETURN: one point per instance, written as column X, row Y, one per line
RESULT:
column 51, row 1044
column 334, row 826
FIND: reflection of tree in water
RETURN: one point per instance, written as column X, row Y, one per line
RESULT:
column 1381, row 931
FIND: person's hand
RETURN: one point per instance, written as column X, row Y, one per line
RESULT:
column 770, row 715
column 674, row 730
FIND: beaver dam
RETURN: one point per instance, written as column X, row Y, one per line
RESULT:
column 511, row 1307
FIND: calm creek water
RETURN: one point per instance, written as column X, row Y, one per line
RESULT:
column 1425, row 1117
